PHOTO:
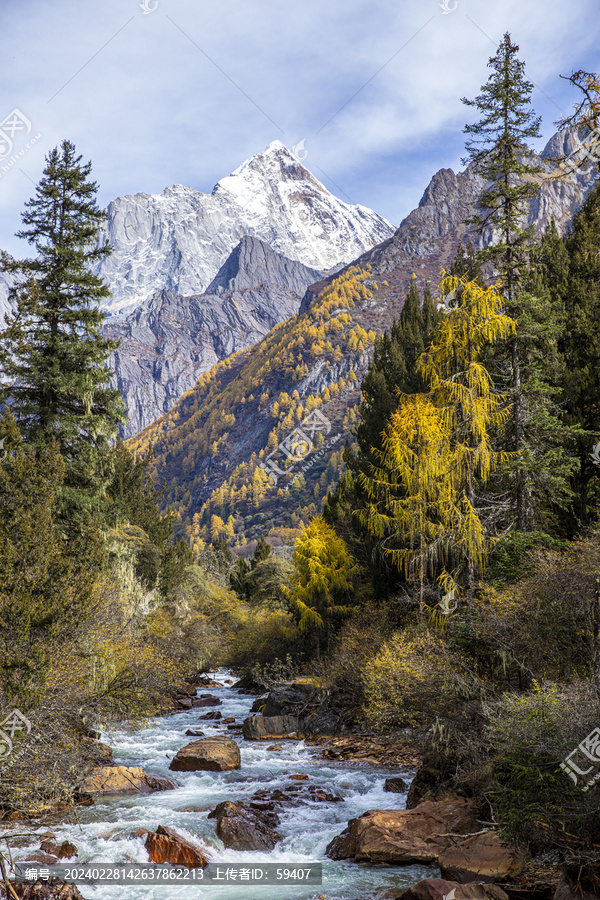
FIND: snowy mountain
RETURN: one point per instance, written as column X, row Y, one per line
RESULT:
column 178, row 240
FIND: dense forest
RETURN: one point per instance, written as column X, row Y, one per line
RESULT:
column 444, row 571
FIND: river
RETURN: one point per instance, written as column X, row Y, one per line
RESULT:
column 104, row 832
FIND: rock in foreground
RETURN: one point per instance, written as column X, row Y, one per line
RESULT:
column 165, row 845
column 50, row 889
column 210, row 754
column 439, row 889
column 404, row 836
column 481, row 857
column 124, row 780
column 246, row 827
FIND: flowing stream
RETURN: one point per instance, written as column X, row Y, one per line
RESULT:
column 104, row 832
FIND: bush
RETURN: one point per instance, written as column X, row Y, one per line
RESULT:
column 415, row 679
column 265, row 636
column 528, row 736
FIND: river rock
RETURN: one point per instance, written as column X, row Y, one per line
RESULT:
column 52, row 889
column 191, row 733
column 96, row 751
column 211, row 716
column 206, row 681
column 432, row 780
column 404, row 836
column 44, row 859
column 311, row 705
column 243, row 827
column 481, row 857
column 124, row 780
column 439, row 889
column 395, row 785
column 210, row 754
column 206, row 700
column 296, row 795
column 184, row 702
column 66, row 850
column 266, row 728
column 165, row 845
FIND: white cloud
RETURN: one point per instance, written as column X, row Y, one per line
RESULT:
column 152, row 109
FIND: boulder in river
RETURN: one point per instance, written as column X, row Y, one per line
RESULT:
column 482, row 857
column 266, row 728
column 395, row 785
column 211, row 716
column 440, row 889
column 244, row 827
column 312, row 706
column 166, row 846
column 206, row 700
column 66, row 850
column 404, row 836
column 210, row 754
column 124, row 780
column 296, row 795
column 191, row 733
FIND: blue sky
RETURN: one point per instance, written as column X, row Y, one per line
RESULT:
column 183, row 91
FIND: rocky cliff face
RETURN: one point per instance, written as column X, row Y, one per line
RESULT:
column 178, row 240
column 427, row 239
column 168, row 342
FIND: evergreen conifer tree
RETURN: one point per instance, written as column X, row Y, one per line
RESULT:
column 52, row 350
column 498, row 148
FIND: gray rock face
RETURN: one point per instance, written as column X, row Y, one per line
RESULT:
column 180, row 239
column 167, row 343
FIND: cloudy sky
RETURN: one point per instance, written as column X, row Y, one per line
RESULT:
column 162, row 92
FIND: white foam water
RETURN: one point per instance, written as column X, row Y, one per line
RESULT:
column 104, row 832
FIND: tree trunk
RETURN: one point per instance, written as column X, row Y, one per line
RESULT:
column 518, row 436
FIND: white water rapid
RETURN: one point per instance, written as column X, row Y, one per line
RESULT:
column 104, row 832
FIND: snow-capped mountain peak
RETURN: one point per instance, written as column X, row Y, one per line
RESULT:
column 178, row 240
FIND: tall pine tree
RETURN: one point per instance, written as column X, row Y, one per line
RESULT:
column 498, row 148
column 52, row 350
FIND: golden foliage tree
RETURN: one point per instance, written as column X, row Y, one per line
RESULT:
column 322, row 579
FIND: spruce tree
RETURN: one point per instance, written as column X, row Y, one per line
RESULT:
column 580, row 349
column 52, row 351
column 498, row 148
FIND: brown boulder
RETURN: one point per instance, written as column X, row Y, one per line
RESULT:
column 66, row 850
column 267, row 728
column 395, row 785
column 216, row 714
column 439, row 889
column 191, row 733
column 432, row 781
column 206, row 700
column 184, row 703
column 165, row 845
column 124, row 780
column 210, row 754
column 404, row 836
column 481, row 857
column 45, row 859
column 52, row 889
column 243, row 827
